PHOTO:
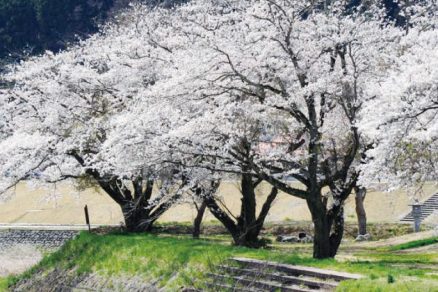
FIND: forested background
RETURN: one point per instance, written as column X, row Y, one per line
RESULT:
column 33, row 26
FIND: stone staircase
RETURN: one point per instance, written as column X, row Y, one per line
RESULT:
column 428, row 207
column 242, row 274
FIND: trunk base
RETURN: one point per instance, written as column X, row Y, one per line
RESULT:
column 254, row 243
column 137, row 220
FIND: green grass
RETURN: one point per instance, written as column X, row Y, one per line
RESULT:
column 181, row 261
column 415, row 243
column 382, row 285
column 398, row 258
column 4, row 283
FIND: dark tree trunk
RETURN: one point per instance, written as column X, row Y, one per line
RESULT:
column 337, row 231
column 321, row 239
column 138, row 211
column 245, row 229
column 137, row 218
column 360, row 210
column 247, row 219
column 321, row 242
column 223, row 217
column 198, row 219
column 328, row 229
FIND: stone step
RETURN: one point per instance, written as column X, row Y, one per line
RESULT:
column 284, row 279
column 261, row 284
column 428, row 208
column 293, row 270
column 425, row 210
column 75, row 289
column 227, row 287
column 410, row 218
column 422, row 216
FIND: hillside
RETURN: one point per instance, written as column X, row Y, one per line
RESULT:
column 33, row 26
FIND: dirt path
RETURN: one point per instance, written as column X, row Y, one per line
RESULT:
column 399, row 239
column 18, row 258
column 21, row 249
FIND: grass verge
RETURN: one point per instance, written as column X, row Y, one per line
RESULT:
column 4, row 282
column 415, row 244
column 179, row 261
column 382, row 285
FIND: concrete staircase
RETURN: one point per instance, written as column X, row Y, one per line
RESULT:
column 242, row 274
column 428, row 207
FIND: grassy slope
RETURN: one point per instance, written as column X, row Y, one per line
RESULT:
column 177, row 260
column 415, row 243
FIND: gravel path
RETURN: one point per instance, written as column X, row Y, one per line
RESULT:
column 21, row 249
column 18, row 258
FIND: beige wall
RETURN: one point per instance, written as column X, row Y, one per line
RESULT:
column 29, row 205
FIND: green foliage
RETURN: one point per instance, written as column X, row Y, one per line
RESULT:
column 391, row 279
column 7, row 282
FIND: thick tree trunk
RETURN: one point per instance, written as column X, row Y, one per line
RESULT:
column 245, row 229
column 247, row 219
column 337, row 231
column 137, row 218
column 198, row 220
column 321, row 239
column 223, row 217
column 360, row 210
column 328, row 229
column 136, row 208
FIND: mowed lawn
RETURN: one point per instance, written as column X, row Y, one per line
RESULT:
column 179, row 261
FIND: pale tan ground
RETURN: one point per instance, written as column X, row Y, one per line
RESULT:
column 43, row 206
column 17, row 259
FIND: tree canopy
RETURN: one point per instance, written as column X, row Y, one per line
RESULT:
column 266, row 90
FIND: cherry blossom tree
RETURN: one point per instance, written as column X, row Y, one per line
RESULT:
column 63, row 106
column 299, row 70
column 413, row 16
column 270, row 90
column 179, row 146
column 406, row 110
